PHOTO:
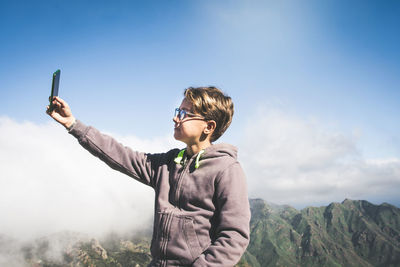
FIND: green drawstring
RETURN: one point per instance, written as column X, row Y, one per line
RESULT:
column 179, row 158
column 198, row 159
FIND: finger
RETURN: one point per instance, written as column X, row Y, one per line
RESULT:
column 49, row 111
column 56, row 103
column 63, row 103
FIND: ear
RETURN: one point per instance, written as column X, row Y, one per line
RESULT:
column 210, row 127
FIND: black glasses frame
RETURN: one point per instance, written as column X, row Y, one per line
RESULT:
column 181, row 114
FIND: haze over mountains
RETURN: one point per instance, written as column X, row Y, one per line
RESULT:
column 351, row 233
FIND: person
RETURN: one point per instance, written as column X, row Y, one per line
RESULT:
column 202, row 213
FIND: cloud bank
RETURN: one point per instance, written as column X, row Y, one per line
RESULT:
column 296, row 161
column 49, row 183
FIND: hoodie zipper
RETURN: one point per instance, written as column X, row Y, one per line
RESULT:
column 186, row 165
column 168, row 219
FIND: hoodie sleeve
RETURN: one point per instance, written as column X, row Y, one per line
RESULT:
column 233, row 220
column 137, row 165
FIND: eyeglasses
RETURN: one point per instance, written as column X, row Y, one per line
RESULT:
column 182, row 114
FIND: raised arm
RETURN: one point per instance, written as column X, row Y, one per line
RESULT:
column 138, row 165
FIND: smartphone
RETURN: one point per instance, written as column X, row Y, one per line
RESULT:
column 54, row 87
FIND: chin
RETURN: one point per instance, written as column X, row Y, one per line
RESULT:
column 177, row 136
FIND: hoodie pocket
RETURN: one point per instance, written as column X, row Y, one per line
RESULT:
column 183, row 243
column 175, row 238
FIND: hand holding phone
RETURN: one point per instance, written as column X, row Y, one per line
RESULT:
column 58, row 109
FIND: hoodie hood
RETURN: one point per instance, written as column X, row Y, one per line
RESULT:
column 213, row 151
column 220, row 150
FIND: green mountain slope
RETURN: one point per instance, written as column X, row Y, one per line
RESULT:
column 351, row 233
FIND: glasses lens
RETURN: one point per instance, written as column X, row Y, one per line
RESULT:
column 180, row 113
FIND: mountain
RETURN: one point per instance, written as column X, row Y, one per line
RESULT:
column 76, row 250
column 351, row 233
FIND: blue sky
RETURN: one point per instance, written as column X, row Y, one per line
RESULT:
column 126, row 62
column 315, row 84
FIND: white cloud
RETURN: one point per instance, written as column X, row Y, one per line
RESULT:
column 290, row 160
column 49, row 183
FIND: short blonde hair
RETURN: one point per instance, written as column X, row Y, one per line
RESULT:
column 211, row 103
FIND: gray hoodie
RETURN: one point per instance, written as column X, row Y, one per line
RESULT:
column 202, row 211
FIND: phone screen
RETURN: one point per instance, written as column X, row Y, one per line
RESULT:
column 54, row 86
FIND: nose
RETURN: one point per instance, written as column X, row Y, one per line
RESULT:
column 175, row 119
